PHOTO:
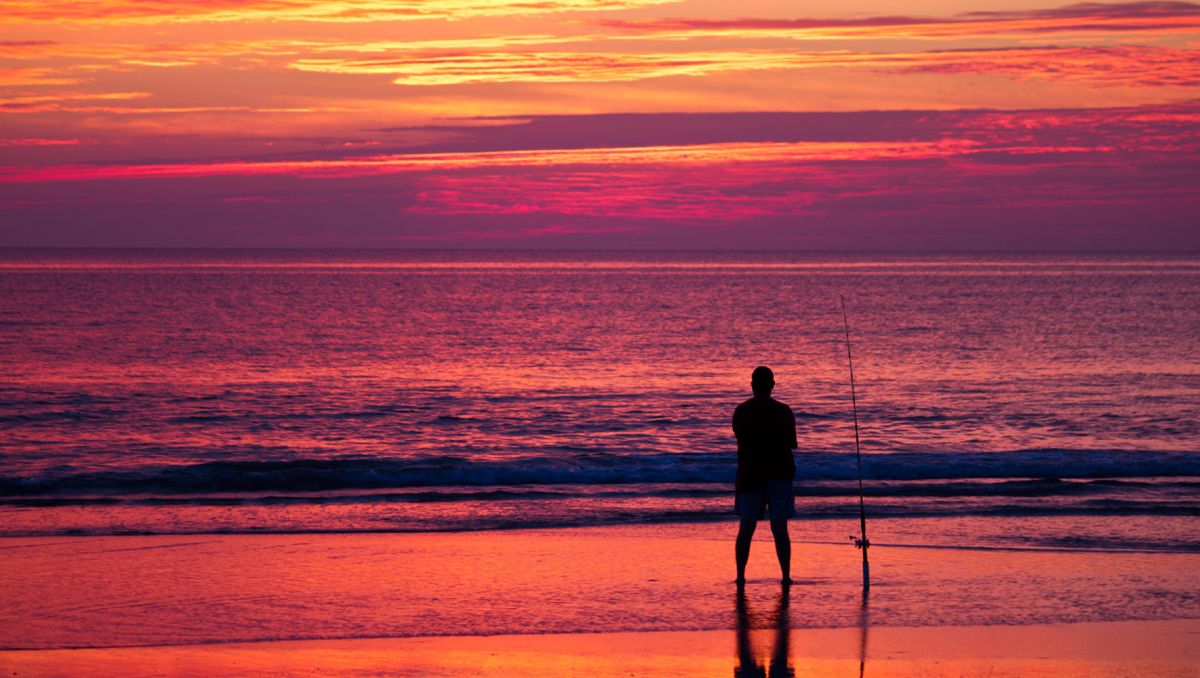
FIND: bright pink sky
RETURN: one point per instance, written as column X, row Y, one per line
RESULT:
column 1001, row 124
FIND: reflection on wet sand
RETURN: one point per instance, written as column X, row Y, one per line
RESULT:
column 780, row 665
column 864, row 622
column 748, row 664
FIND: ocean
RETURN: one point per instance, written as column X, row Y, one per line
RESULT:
column 242, row 391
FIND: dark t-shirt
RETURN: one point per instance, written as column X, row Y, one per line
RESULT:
column 766, row 435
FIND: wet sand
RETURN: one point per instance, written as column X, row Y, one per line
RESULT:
column 647, row 600
column 1155, row 648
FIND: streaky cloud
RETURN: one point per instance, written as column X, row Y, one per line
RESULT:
column 1082, row 17
column 1102, row 65
column 318, row 11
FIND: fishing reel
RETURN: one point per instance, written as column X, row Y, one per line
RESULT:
column 860, row 543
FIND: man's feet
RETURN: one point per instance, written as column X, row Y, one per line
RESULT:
column 785, row 582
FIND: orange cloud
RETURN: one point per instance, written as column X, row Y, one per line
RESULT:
column 249, row 57
column 450, row 68
column 1147, row 66
column 173, row 11
column 61, row 100
column 25, row 77
column 1084, row 17
column 37, row 141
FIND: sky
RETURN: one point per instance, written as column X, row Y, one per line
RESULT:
column 693, row 124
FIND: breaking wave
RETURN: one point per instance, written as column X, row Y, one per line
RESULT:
column 1049, row 471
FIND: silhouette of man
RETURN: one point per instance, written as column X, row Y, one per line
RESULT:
column 766, row 435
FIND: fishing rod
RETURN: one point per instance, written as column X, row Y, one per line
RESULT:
column 860, row 543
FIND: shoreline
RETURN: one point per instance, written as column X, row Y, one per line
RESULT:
column 1056, row 532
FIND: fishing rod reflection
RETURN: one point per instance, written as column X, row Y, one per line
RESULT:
column 779, row 665
column 864, row 623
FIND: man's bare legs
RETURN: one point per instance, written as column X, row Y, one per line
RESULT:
column 783, row 548
column 742, row 547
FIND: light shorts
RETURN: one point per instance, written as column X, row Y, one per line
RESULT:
column 778, row 495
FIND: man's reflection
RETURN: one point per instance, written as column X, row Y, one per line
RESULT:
column 748, row 664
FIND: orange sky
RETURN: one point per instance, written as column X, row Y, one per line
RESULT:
column 599, row 123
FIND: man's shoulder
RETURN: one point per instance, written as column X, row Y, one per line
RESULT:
column 762, row 405
column 743, row 409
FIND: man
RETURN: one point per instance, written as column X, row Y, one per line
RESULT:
column 766, row 435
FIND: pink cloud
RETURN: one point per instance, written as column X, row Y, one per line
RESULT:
column 760, row 177
column 1109, row 66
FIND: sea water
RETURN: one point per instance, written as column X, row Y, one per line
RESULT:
column 165, row 392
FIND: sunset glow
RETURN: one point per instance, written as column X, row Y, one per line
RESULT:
column 615, row 123
column 599, row 337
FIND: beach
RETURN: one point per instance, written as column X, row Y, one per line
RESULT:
column 647, row 600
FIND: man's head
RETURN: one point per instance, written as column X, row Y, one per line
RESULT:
column 762, row 381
